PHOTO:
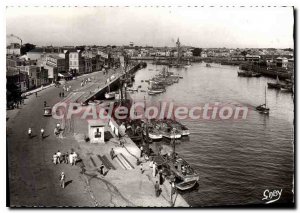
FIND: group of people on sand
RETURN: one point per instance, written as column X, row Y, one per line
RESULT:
column 67, row 158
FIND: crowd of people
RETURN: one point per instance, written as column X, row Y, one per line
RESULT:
column 157, row 174
column 85, row 81
column 67, row 158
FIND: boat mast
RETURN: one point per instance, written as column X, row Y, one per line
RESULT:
column 266, row 96
column 146, row 141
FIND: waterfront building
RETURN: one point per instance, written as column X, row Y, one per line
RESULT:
column 13, row 49
column 238, row 58
column 252, row 57
column 34, row 75
column 76, row 62
column 56, row 61
column 282, row 62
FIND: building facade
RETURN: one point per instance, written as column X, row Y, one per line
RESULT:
column 76, row 62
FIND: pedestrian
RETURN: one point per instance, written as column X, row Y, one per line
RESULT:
column 71, row 158
column 42, row 133
column 74, row 158
column 58, row 156
column 56, row 131
column 67, row 158
column 55, row 158
column 101, row 169
column 157, row 189
column 60, row 94
column 141, row 168
column 151, row 163
column 63, row 94
column 29, row 132
column 112, row 153
column 183, row 170
column 62, row 178
column 154, row 170
column 161, row 178
column 36, row 94
column 142, row 151
column 173, row 190
column 45, row 103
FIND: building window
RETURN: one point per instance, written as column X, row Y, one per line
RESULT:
column 97, row 133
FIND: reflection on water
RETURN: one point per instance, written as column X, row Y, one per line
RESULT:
column 236, row 159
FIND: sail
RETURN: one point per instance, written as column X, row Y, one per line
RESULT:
column 277, row 80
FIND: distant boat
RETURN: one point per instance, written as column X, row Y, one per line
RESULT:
column 276, row 85
column 256, row 74
column 155, row 92
column 188, row 64
column 248, row 74
column 286, row 88
column 263, row 107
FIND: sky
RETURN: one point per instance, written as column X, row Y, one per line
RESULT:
column 207, row 27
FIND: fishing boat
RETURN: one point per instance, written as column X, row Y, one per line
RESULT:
column 263, row 107
column 176, row 169
column 248, row 74
column 276, row 85
column 188, row 64
column 286, row 88
column 256, row 74
column 175, row 124
column 168, row 131
column 153, row 133
column 185, row 176
column 155, row 91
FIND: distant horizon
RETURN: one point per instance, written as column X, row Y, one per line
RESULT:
column 157, row 46
column 159, row 27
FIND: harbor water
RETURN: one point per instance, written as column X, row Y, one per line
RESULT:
column 237, row 160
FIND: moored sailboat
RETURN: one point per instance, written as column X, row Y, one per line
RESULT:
column 263, row 107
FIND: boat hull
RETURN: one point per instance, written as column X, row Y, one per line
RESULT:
column 274, row 86
column 169, row 136
column 186, row 185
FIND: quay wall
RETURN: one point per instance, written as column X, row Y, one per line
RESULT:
column 114, row 84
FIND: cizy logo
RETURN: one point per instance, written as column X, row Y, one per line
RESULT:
column 271, row 196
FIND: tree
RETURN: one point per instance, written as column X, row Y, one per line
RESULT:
column 244, row 53
column 80, row 48
column 26, row 48
column 197, row 51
